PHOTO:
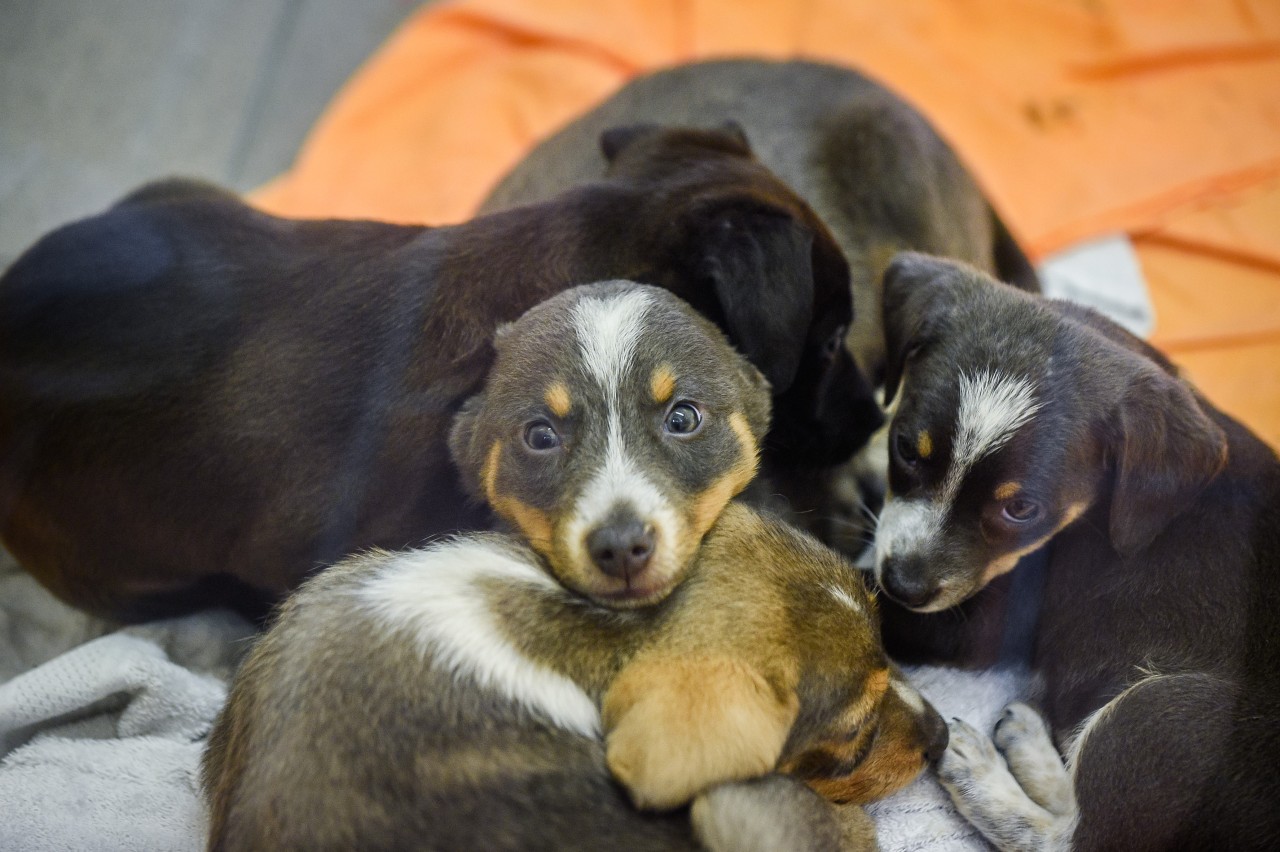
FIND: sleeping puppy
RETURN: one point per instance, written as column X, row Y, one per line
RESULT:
column 1025, row 424
column 459, row 698
column 870, row 166
column 200, row 403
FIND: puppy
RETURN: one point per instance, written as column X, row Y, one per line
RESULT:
column 871, row 167
column 200, row 404
column 1023, row 425
column 458, row 697
column 615, row 426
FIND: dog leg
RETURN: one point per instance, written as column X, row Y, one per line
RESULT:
column 1023, row 738
column 676, row 726
column 988, row 795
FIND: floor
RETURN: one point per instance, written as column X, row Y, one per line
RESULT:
column 99, row 96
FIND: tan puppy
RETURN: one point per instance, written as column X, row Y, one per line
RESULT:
column 458, row 697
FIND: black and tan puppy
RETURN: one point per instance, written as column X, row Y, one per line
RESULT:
column 200, row 403
column 1025, row 424
column 871, row 167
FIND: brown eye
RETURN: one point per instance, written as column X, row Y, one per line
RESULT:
column 541, row 436
column 833, row 344
column 906, row 450
column 683, row 419
column 1021, row 511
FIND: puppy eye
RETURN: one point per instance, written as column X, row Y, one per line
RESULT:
column 906, row 450
column 834, row 342
column 1021, row 511
column 683, row 419
column 541, row 436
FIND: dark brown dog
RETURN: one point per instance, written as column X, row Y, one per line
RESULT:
column 201, row 404
column 1025, row 424
column 871, row 167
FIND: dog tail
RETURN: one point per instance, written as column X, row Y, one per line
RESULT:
column 777, row 812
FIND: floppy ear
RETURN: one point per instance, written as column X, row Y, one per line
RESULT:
column 464, row 444
column 760, row 267
column 734, row 131
column 915, row 286
column 617, row 139
column 1165, row 451
column 756, row 393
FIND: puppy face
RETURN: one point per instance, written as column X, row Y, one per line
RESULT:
column 615, row 425
column 735, row 242
column 1015, row 417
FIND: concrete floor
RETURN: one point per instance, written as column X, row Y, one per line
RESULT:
column 99, row 96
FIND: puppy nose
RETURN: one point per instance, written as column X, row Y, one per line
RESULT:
column 906, row 582
column 621, row 549
column 937, row 735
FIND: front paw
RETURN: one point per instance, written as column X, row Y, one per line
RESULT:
column 678, row 726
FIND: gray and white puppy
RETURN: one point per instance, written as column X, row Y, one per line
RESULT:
column 612, row 432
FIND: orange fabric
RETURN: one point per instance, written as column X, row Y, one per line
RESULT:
column 1160, row 119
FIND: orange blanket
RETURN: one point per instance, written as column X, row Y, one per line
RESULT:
column 1157, row 119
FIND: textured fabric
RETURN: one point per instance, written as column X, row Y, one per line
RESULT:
column 1080, row 120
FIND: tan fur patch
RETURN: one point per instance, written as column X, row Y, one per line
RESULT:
column 924, row 445
column 1006, row 563
column 678, row 725
column 662, row 384
column 708, row 505
column 1005, row 490
column 534, row 523
column 558, row 399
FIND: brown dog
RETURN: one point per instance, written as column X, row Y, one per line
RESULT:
column 201, row 404
column 458, row 698
column 1026, row 425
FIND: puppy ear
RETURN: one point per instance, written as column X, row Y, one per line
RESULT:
column 760, row 267
column 615, row 140
column 465, row 446
column 734, row 131
column 914, row 286
column 1165, row 451
column 756, row 397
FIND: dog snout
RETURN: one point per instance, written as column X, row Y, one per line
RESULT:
column 622, row 548
column 936, row 733
column 905, row 580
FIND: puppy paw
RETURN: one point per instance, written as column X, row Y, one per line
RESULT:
column 984, row 791
column 675, row 727
column 1023, row 738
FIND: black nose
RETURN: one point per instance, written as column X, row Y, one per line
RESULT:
column 906, row 582
column 621, row 549
column 937, row 735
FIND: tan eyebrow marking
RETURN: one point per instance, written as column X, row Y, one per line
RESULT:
column 558, row 399
column 1005, row 490
column 924, row 445
column 662, row 384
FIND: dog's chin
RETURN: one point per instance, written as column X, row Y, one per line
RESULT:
column 651, row 587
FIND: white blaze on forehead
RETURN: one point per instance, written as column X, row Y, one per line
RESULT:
column 436, row 595
column 993, row 406
column 608, row 331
